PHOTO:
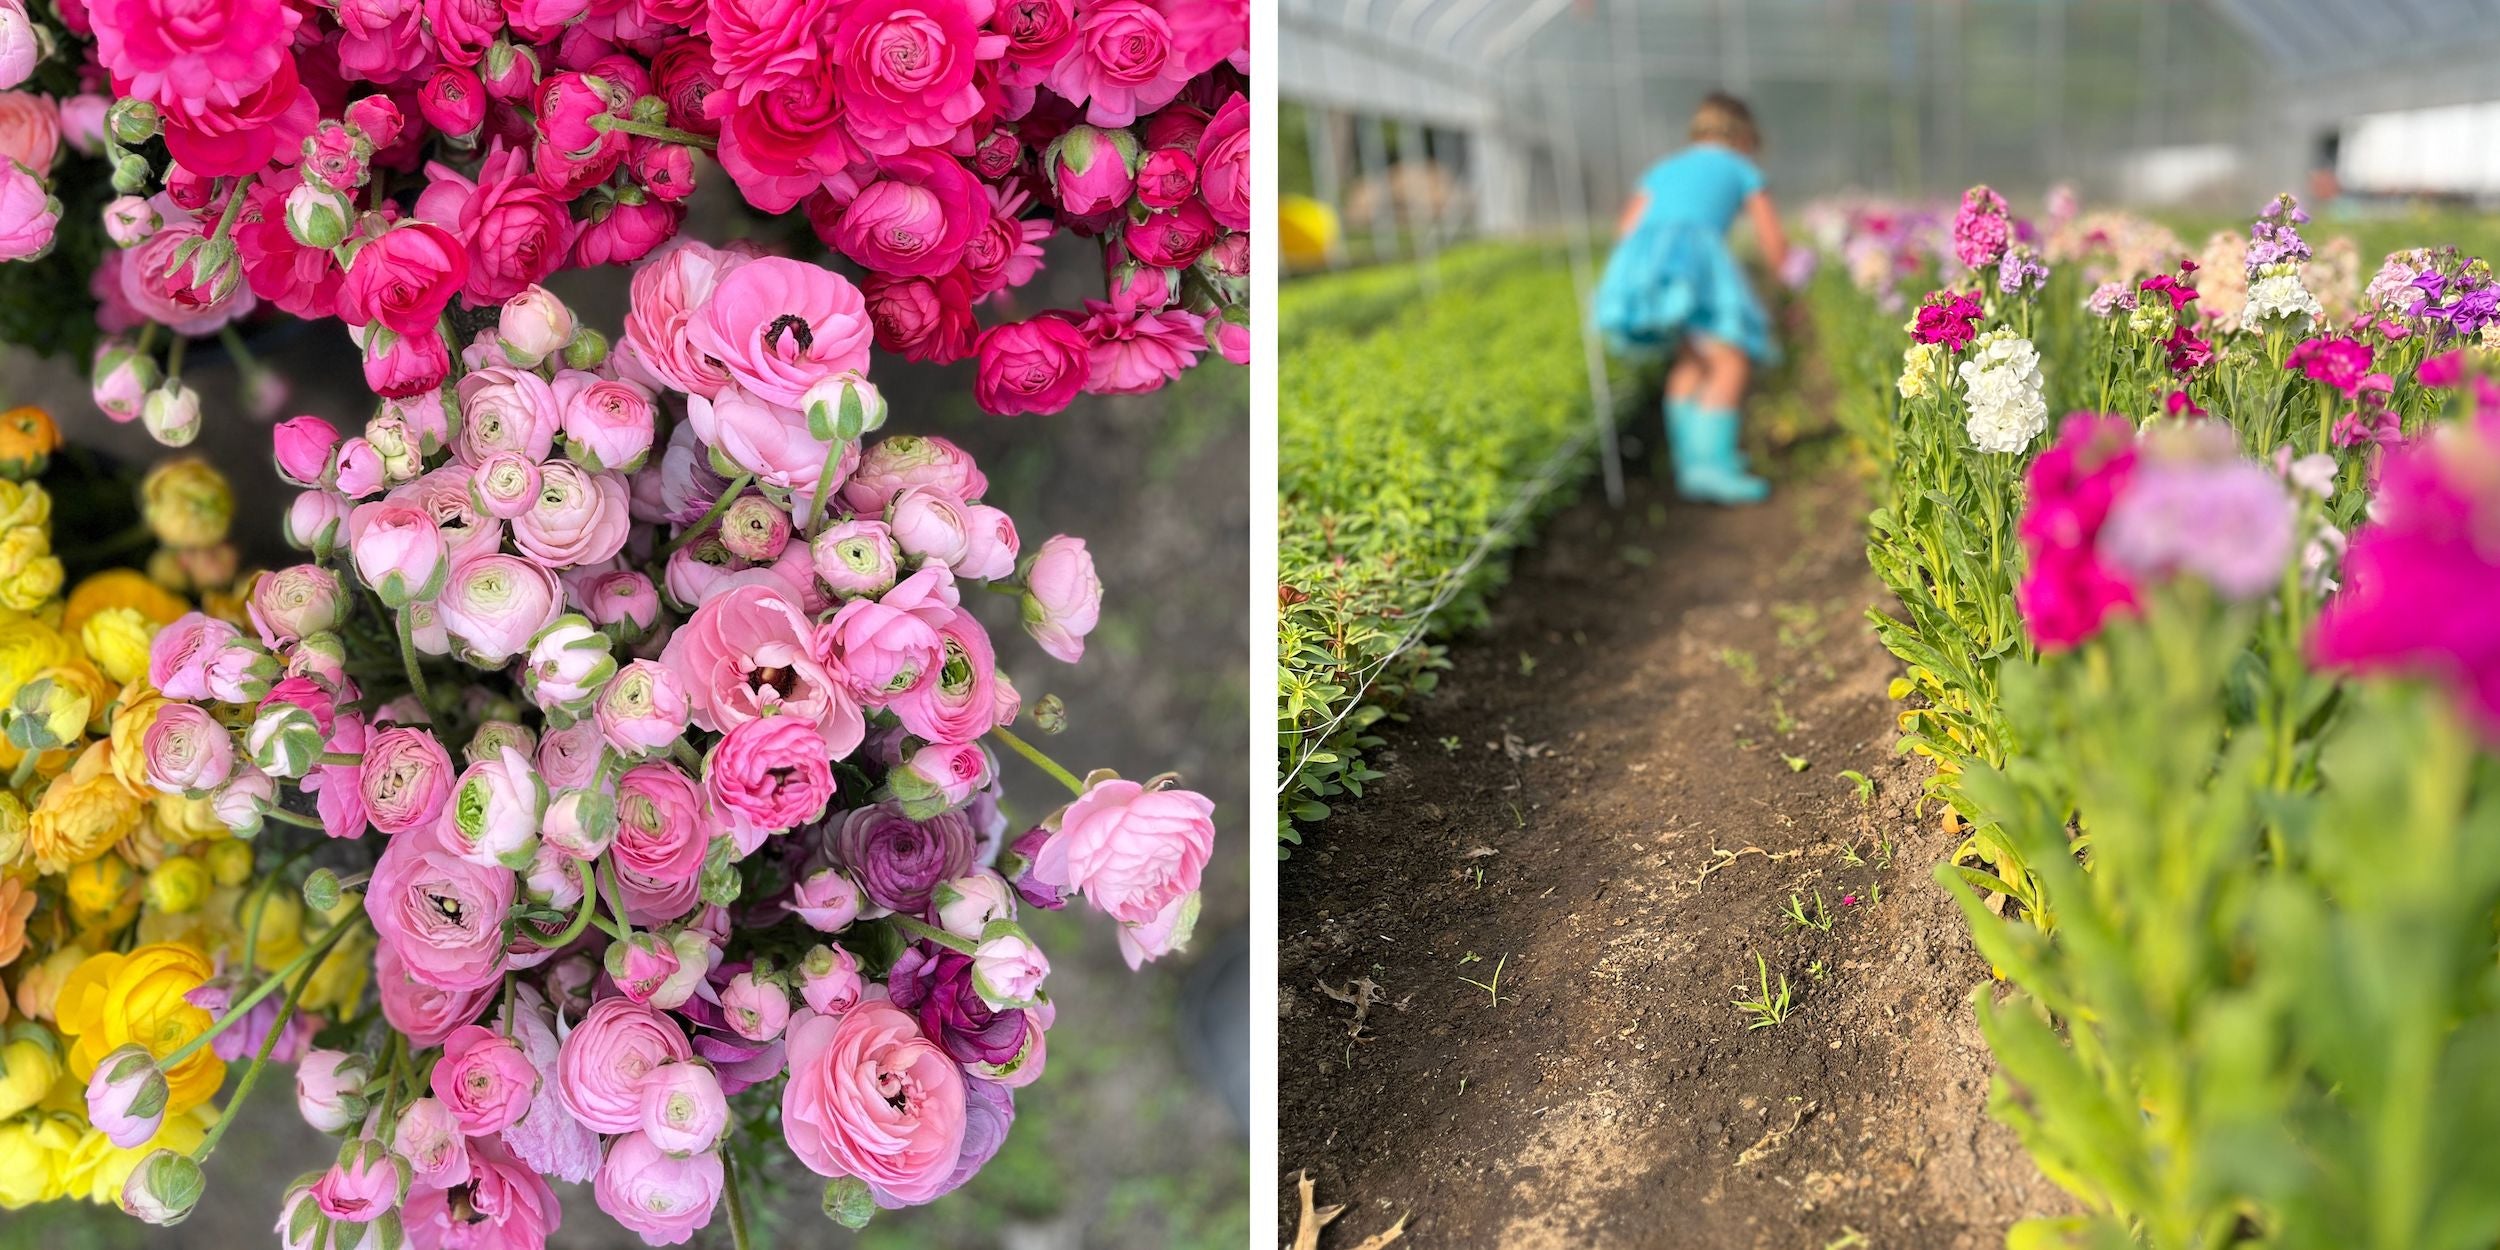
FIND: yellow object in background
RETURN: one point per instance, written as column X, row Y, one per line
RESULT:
column 1306, row 230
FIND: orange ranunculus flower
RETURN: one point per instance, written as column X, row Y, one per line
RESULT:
column 17, row 902
column 120, row 588
column 83, row 812
column 27, row 439
column 114, row 1000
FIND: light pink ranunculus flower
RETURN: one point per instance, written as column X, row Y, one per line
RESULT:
column 825, row 900
column 429, row 1137
column 780, row 326
column 29, row 214
column 484, row 1079
column 884, row 652
column 668, row 290
column 1131, row 851
column 440, row 914
column 768, row 776
column 608, row 422
column 506, row 409
column 642, row 709
column 854, row 557
column 961, row 703
column 890, row 465
column 664, row 1198
column 870, row 1096
column 579, row 517
column 989, row 544
column 683, row 1112
column 1062, row 597
column 427, row 1013
column 767, row 439
column 187, row 751
column 829, row 980
column 493, row 605
column 398, row 550
column 406, row 778
column 608, row 1057
column 660, row 826
column 494, row 810
column 506, row 1205
column 30, row 130
column 757, row 1009
column 446, row 496
column 747, row 652
column 930, row 526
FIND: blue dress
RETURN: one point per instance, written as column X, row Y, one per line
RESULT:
column 1672, row 274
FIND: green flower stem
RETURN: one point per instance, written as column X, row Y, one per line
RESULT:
column 25, row 770
column 339, row 759
column 234, row 205
column 930, row 933
column 824, row 486
column 408, row 660
column 1040, row 761
column 652, row 130
column 737, row 1203
column 251, row 1075
column 285, row 817
column 309, row 959
column 581, row 914
column 173, row 358
column 728, row 495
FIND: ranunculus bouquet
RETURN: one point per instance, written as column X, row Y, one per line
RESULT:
column 630, row 708
column 386, row 162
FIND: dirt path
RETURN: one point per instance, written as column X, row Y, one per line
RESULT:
column 1620, row 787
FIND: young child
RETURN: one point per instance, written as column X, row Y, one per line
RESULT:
column 1672, row 285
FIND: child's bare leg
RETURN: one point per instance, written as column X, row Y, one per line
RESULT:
column 1724, row 373
column 1684, row 377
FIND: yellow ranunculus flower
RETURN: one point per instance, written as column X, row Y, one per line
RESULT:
column 39, row 986
column 209, row 928
column 25, row 504
column 116, row 1000
column 117, row 639
column 61, row 699
column 27, row 647
column 181, row 821
column 229, row 861
column 98, row 888
column 178, row 885
column 186, row 502
column 29, row 573
column 281, row 927
column 28, row 1068
column 12, row 829
column 120, row 588
column 83, row 812
column 340, row 978
column 96, row 1169
column 131, row 718
column 34, row 1159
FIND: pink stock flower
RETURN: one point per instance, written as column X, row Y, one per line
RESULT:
column 403, row 279
column 1133, row 352
column 186, row 55
column 780, row 326
column 1948, row 317
column 747, row 652
column 493, row 605
column 1121, row 65
column 606, row 1059
column 2070, row 590
column 772, row 773
column 664, row 1198
column 2422, row 577
column 2335, row 361
column 1980, row 232
column 484, row 1079
column 439, row 914
column 1062, row 597
column 870, row 1096
column 1132, row 852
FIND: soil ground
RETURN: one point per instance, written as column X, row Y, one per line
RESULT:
column 1611, row 802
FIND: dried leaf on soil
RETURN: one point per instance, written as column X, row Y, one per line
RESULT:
column 1360, row 994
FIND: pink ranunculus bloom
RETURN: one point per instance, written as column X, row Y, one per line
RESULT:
column 126, row 1096
column 506, row 409
column 439, row 914
column 1122, row 65
column 406, row 778
column 191, row 55
column 768, row 439
column 1091, row 170
column 400, row 365
column 757, row 1010
column 780, row 326
column 493, row 605
column 569, row 757
column 361, row 1187
column 329, row 1089
column 447, row 497
column 623, row 233
column 1166, row 178
column 578, row 518
column 1129, row 850
column 825, row 900
column 829, row 980
column 2422, row 577
column 30, row 130
column 504, row 484
column 158, row 288
column 180, row 657
column 930, row 526
column 989, row 544
column 870, row 1096
column 427, row 1013
column 1224, row 164
column 664, row 1198
column 771, row 774
column 923, row 320
column 430, row 1139
column 623, row 602
column 484, row 1079
column 960, row 703
column 1062, row 597
column 403, row 279
column 608, row 423
column 453, row 100
column 667, row 291
column 948, row 773
column 883, row 652
column 494, row 809
column 1133, row 352
column 398, row 550
column 908, row 69
column 303, row 447
column 1173, row 240
column 917, row 218
column 504, row 1205
column 683, row 1112
column 608, row 1057
column 642, row 709
column 660, row 825
column 854, row 557
column 758, row 44
column 747, row 652
column 2069, row 589
column 889, row 465
column 1141, row 944
column 516, row 230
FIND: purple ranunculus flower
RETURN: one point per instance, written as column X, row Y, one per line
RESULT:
column 898, row 860
column 938, row 990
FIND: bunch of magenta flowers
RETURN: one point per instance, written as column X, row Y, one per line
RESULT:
column 630, row 707
column 399, row 165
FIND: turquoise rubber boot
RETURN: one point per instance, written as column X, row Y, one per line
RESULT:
column 1708, row 466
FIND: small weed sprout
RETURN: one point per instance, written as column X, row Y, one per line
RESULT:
column 1769, row 1007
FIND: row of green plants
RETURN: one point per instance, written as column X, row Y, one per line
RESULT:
column 2208, row 673
column 1418, row 441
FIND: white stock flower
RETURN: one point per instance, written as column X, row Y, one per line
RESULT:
column 2001, row 384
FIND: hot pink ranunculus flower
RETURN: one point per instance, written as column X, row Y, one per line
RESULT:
column 1122, row 65
column 870, row 1096
column 404, row 279
column 1135, row 351
column 1035, row 366
column 484, row 1079
column 604, row 1061
column 189, row 56
column 1224, row 164
column 907, row 68
column 660, row 824
column 916, row 219
column 773, row 773
column 240, row 138
column 758, row 44
column 780, row 326
column 1130, row 850
column 515, row 229
column 439, row 914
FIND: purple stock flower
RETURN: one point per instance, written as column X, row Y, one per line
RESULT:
column 2275, row 238
column 2021, row 270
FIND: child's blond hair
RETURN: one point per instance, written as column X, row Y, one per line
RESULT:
column 1722, row 118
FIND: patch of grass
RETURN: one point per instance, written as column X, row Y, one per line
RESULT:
column 1864, row 783
column 1493, row 987
column 1820, row 920
column 1768, row 1007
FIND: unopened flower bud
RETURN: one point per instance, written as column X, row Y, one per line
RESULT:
column 163, row 1188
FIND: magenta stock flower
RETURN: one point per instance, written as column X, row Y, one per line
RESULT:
column 2335, row 361
column 2069, row 590
column 1947, row 317
column 1980, row 230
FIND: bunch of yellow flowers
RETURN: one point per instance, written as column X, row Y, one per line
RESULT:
column 126, row 915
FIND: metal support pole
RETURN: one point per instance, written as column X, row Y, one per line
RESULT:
column 1371, row 145
column 1319, row 130
column 1583, row 285
column 1423, row 227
